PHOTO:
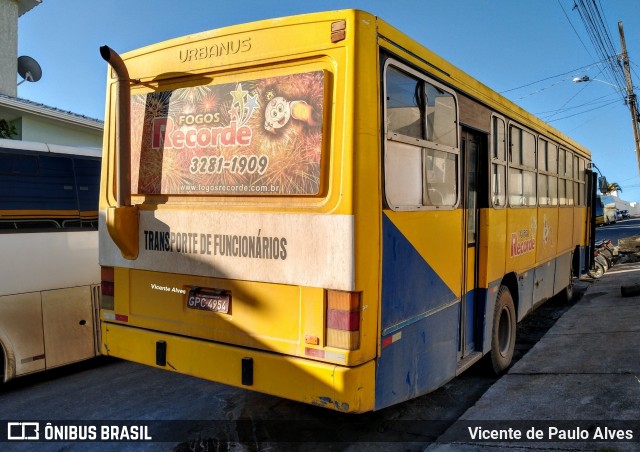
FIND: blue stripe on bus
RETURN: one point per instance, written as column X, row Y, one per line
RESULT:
column 410, row 286
column 423, row 314
column 422, row 359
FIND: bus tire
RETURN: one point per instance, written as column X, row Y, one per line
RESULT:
column 567, row 293
column 503, row 336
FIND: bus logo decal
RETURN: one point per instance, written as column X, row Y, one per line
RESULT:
column 522, row 243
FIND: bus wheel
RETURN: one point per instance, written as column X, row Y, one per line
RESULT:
column 503, row 337
column 567, row 293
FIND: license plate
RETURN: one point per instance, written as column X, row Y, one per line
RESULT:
column 209, row 300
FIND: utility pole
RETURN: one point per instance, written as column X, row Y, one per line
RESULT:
column 630, row 95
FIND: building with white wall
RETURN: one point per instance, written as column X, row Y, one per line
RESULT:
column 34, row 121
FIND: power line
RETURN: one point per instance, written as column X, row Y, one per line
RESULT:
column 574, row 29
column 572, row 72
column 593, row 118
column 594, row 25
column 582, row 112
column 570, row 99
column 597, row 100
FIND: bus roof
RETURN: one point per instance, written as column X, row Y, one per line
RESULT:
column 85, row 151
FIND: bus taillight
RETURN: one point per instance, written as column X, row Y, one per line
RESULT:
column 106, row 288
column 343, row 319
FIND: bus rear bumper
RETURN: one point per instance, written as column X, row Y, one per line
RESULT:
column 347, row 389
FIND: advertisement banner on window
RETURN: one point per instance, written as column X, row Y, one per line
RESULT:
column 255, row 137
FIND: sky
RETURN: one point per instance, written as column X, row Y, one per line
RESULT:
column 530, row 51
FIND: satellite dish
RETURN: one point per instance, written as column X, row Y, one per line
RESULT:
column 29, row 69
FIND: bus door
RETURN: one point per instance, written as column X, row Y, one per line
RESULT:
column 471, row 145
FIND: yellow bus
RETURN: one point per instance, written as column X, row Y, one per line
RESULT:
column 49, row 265
column 319, row 208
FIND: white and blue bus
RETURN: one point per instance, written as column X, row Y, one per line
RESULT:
column 49, row 264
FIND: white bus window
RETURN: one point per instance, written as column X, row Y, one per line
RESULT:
column 498, row 195
column 515, row 143
column 543, row 163
column 547, row 177
column 499, row 163
column 404, row 112
column 562, row 194
column 569, row 168
column 403, row 173
column 522, row 187
column 553, row 190
column 543, row 190
column 441, row 171
column 441, row 117
column 499, row 139
column 528, row 149
column 421, row 156
column 552, row 156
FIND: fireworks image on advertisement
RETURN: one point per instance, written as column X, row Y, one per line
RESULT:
column 230, row 139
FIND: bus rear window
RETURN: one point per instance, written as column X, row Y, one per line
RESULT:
column 248, row 138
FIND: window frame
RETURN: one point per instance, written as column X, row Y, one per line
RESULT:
column 423, row 144
column 579, row 180
column 499, row 163
column 521, row 166
column 566, row 178
column 548, row 171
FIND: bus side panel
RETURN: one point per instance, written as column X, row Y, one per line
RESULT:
column 563, row 272
column 420, row 317
column 522, row 224
column 65, row 258
column 579, row 225
column 21, row 332
column 420, row 361
column 546, row 237
column 493, row 246
column 565, row 230
column 524, row 304
column 68, row 325
column 544, row 282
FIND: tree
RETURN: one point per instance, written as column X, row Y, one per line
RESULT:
column 613, row 186
column 7, row 130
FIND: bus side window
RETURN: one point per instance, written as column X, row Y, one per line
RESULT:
column 87, row 178
column 441, row 117
column 404, row 104
column 55, row 188
column 522, row 174
column 498, row 163
column 441, row 172
column 403, row 174
column 421, row 155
